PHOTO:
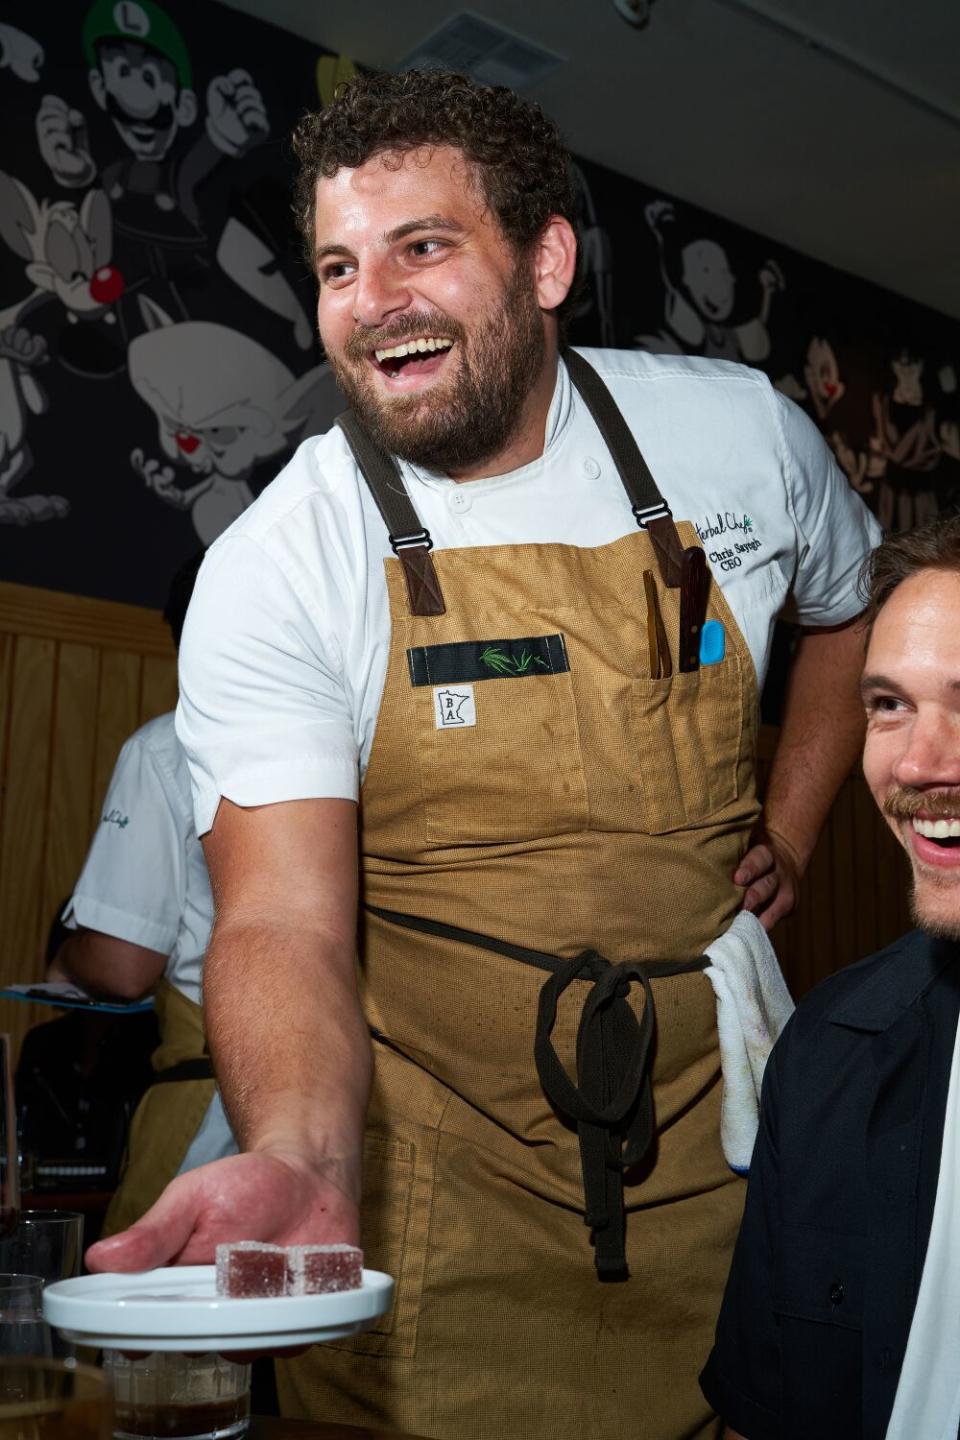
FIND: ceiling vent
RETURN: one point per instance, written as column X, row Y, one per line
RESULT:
column 486, row 52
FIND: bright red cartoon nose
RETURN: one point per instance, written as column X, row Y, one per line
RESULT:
column 107, row 285
column 187, row 442
column 829, row 388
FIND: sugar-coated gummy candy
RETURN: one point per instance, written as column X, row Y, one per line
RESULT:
column 323, row 1269
column 247, row 1269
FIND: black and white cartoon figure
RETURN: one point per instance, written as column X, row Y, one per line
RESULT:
column 20, row 53
column 905, row 438
column 68, row 253
column 21, row 395
column 596, row 300
column 223, row 405
column 253, row 265
column 701, row 299
column 823, row 394
column 822, row 388
column 948, row 434
column 140, row 76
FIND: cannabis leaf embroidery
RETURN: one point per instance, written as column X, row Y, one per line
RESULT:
column 507, row 664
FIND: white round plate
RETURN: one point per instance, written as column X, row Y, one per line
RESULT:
column 178, row 1309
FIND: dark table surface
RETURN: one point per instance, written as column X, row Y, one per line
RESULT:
column 268, row 1427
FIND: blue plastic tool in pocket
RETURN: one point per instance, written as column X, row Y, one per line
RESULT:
column 713, row 643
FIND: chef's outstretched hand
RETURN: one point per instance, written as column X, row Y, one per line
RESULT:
column 278, row 1197
column 770, row 873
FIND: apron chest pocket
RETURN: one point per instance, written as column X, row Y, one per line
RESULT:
column 515, row 774
column 689, row 731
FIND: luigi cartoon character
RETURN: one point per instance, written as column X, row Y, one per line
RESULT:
column 141, row 77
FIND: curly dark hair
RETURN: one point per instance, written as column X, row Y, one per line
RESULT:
column 519, row 157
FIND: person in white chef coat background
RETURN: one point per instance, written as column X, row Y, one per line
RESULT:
column 141, row 914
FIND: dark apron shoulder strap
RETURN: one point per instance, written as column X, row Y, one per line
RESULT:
column 651, row 511
column 409, row 540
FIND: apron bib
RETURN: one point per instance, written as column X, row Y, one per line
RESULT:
column 549, row 823
column 169, row 1114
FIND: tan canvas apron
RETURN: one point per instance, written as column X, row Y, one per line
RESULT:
column 589, row 808
column 169, row 1115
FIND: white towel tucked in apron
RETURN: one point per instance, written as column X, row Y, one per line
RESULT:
column 753, row 1005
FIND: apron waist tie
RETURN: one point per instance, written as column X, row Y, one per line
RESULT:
column 611, row 1102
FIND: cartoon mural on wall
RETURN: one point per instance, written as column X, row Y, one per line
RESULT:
column 149, row 272
column 890, row 430
column 223, row 405
column 158, row 354
column 20, row 53
column 702, row 309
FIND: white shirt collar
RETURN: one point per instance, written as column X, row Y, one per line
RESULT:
column 558, row 422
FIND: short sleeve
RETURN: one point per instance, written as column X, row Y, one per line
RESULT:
column 132, row 882
column 263, row 715
column 741, row 1379
column 835, row 530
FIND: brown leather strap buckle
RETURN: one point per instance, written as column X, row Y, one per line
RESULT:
column 667, row 546
column 423, row 587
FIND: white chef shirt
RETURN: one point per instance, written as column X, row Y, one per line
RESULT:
column 284, row 652
column 145, row 881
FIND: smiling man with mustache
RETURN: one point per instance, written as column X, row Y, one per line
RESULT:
column 840, row 1318
column 476, row 799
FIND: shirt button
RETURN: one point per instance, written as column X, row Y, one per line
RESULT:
column 836, row 1293
column 590, row 468
column 459, row 501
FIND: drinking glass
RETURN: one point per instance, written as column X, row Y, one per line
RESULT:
column 23, row 1330
column 197, row 1397
column 9, row 1144
column 48, row 1243
column 54, row 1400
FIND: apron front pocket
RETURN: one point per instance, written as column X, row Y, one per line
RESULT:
column 515, row 774
column 398, row 1179
column 689, row 730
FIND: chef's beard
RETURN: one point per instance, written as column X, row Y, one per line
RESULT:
column 466, row 420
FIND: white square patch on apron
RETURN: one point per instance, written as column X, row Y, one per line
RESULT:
column 454, row 707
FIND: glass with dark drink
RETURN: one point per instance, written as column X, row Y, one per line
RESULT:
column 171, row 1396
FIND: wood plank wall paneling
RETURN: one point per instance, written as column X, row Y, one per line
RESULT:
column 72, row 772
column 26, row 793
column 158, row 688
column 77, row 676
column 118, row 715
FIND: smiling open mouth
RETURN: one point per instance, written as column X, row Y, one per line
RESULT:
column 424, row 355
column 946, row 832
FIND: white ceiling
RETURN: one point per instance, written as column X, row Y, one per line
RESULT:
column 829, row 125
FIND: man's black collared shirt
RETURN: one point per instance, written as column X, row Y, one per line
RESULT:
column 825, row 1275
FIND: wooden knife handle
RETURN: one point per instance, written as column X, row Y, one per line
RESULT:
column 694, row 592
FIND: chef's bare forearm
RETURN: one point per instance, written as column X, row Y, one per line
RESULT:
column 286, row 1032
column 288, row 1039
column 820, row 736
